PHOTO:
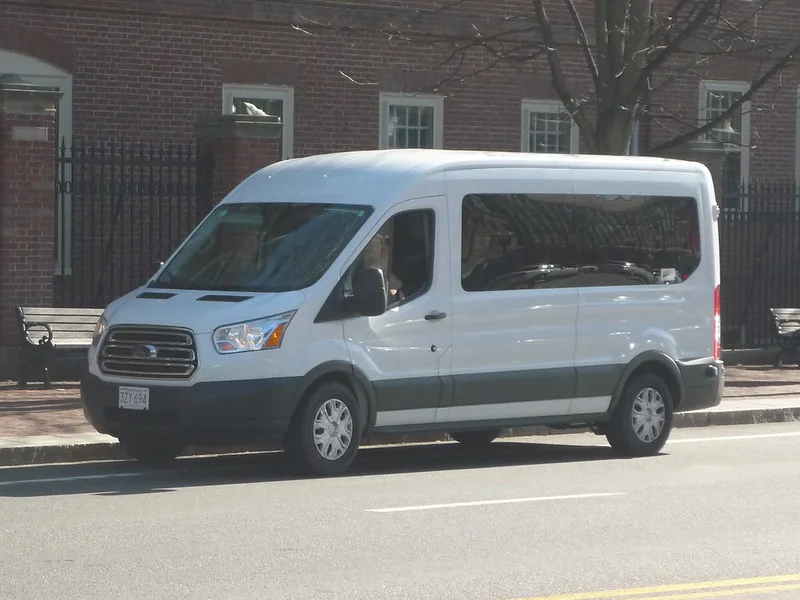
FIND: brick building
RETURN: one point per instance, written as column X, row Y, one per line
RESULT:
column 145, row 71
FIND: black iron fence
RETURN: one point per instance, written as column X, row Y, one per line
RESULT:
column 121, row 208
column 760, row 261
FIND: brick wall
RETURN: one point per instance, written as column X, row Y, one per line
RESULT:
column 27, row 154
column 152, row 72
column 146, row 73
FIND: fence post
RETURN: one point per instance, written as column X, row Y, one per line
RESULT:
column 27, row 207
column 238, row 145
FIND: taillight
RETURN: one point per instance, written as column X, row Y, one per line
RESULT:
column 717, row 327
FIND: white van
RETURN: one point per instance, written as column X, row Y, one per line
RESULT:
column 333, row 296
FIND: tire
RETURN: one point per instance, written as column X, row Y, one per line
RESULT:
column 319, row 445
column 150, row 449
column 643, row 419
column 476, row 439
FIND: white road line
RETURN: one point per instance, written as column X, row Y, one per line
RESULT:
column 728, row 438
column 489, row 502
column 63, row 479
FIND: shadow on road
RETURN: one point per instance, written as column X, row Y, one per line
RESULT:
column 127, row 477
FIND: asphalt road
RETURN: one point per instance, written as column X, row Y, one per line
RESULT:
column 717, row 515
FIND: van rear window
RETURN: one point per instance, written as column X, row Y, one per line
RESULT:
column 526, row 241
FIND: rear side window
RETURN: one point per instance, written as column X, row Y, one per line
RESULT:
column 628, row 240
column 529, row 241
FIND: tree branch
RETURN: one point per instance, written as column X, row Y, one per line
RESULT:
column 754, row 88
column 583, row 40
column 601, row 39
column 672, row 45
column 557, row 74
column 636, row 47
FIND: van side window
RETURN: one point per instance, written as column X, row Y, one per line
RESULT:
column 517, row 241
column 629, row 240
column 529, row 241
column 403, row 248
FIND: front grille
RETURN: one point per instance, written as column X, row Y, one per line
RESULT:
column 151, row 352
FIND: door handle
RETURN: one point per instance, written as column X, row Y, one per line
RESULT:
column 435, row 316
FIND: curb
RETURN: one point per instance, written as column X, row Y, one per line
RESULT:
column 99, row 451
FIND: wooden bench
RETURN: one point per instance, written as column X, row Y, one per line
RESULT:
column 49, row 334
column 787, row 326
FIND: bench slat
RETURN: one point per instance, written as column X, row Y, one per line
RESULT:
column 78, row 342
column 60, row 333
column 63, row 321
column 59, row 339
column 31, row 311
column 785, row 314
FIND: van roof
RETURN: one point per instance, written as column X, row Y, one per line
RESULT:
column 357, row 173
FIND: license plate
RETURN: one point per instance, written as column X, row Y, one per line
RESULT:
column 134, row 398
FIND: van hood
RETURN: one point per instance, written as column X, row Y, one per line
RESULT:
column 198, row 310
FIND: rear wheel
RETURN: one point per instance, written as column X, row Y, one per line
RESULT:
column 476, row 439
column 642, row 421
column 324, row 437
column 150, row 448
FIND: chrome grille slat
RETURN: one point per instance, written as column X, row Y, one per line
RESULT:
column 175, row 358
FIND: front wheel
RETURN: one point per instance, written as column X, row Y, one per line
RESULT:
column 324, row 438
column 642, row 421
column 150, row 449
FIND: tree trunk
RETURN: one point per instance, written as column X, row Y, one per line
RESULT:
column 613, row 131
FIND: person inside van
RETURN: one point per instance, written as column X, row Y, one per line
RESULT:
column 401, row 249
column 411, row 255
column 483, row 246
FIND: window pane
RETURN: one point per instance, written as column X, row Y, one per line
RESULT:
column 515, row 241
column 401, row 113
column 412, row 252
column 401, row 137
column 636, row 240
column 730, row 130
column 263, row 247
column 413, row 137
column 425, row 138
column 413, row 116
column 413, row 128
column 549, row 132
column 403, row 249
column 426, row 118
column 271, row 107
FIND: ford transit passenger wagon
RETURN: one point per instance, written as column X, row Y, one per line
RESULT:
column 333, row 296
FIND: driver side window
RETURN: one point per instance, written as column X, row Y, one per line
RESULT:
column 403, row 249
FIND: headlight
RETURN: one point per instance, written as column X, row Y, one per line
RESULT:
column 99, row 330
column 261, row 334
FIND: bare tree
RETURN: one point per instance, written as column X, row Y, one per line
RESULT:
column 632, row 49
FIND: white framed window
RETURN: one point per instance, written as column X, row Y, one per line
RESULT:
column 548, row 127
column 277, row 101
column 733, row 134
column 411, row 121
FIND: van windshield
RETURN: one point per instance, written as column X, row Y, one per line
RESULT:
column 263, row 247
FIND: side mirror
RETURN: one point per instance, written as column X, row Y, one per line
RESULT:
column 369, row 292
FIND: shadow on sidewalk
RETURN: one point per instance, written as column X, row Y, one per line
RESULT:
column 39, row 405
column 762, row 383
column 126, row 478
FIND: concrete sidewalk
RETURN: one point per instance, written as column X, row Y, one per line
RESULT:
column 41, row 426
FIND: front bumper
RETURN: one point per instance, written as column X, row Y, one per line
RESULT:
column 220, row 412
column 704, row 384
